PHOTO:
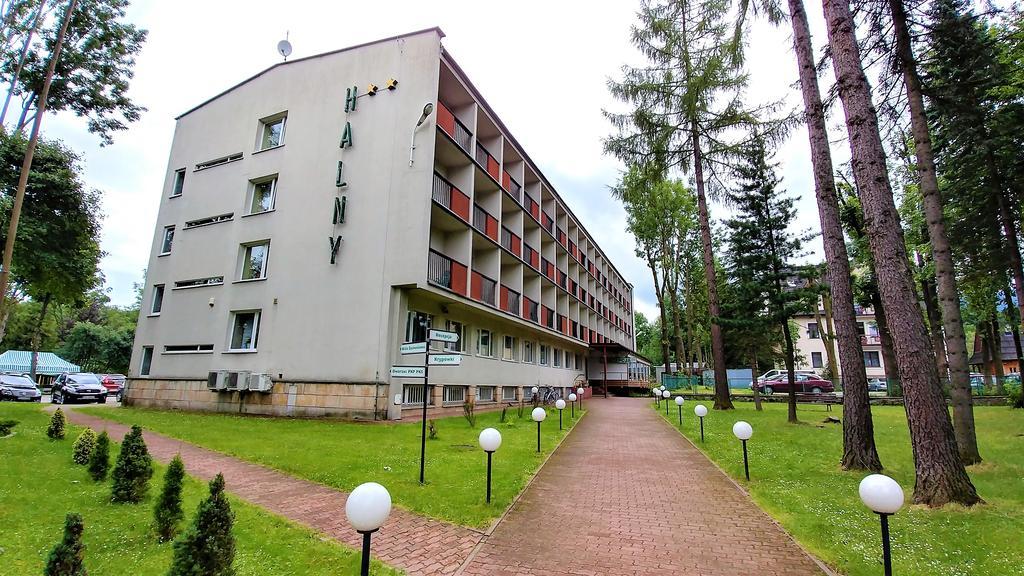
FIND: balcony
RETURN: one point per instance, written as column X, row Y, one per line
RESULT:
column 487, row 161
column 485, row 223
column 562, row 238
column 562, row 280
column 531, row 256
column 511, row 242
column 547, row 317
column 447, row 195
column 512, row 188
column 482, row 288
column 870, row 340
column 531, row 310
column 547, row 269
column 547, row 223
column 447, row 273
column 455, row 129
column 510, row 301
column 532, row 207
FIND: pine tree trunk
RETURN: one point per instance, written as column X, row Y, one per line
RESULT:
column 677, row 335
column 942, row 254
column 986, row 351
column 892, row 373
column 859, row 451
column 931, row 307
column 830, row 331
column 722, row 400
column 1007, row 221
column 658, row 293
column 940, row 476
column 790, row 372
column 21, row 61
column 996, row 345
column 36, row 337
column 1014, row 322
column 753, row 380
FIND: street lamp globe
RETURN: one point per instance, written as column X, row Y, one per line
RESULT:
column 560, row 404
column 368, row 506
column 700, row 410
column 538, row 414
column 679, row 400
column 580, row 391
column 662, row 388
column 535, row 389
column 666, row 394
column 490, row 439
column 881, row 494
column 572, row 397
column 742, row 430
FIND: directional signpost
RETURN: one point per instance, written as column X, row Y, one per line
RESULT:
column 422, row 372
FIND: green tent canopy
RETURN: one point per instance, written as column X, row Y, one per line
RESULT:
column 47, row 363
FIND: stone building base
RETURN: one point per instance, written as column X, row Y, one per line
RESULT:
column 301, row 399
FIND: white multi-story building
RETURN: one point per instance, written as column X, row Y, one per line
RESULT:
column 811, row 346
column 323, row 212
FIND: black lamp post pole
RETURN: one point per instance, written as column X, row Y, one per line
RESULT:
column 538, row 437
column 572, row 410
column 746, row 468
column 701, row 428
column 886, row 554
column 489, row 476
column 364, row 569
column 666, row 406
column 423, row 429
column 680, row 414
column 559, row 418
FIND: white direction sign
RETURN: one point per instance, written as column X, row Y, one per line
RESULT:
column 444, row 336
column 414, row 348
column 408, row 371
column 444, row 360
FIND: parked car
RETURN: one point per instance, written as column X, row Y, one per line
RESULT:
column 18, row 388
column 114, row 383
column 79, row 387
column 781, row 373
column 877, row 385
column 804, row 383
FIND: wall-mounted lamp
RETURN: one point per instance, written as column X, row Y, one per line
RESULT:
column 428, row 108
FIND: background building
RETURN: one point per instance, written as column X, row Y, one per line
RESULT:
column 318, row 215
column 810, row 346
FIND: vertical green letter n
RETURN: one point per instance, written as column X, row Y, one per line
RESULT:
column 339, row 209
column 350, row 98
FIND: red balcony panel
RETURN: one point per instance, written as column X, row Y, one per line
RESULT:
column 550, row 272
column 565, row 325
column 476, row 287
column 492, row 228
column 504, row 298
column 506, row 179
column 535, row 259
column 561, row 238
column 459, row 278
column 492, row 167
column 445, row 119
column 545, row 313
column 517, row 246
column 535, row 211
column 460, row 204
column 546, row 221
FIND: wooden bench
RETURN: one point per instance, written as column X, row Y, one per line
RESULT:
column 827, row 399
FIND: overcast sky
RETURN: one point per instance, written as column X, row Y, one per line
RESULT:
column 542, row 66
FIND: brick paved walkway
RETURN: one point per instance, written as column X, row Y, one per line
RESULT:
column 418, row 545
column 626, row 494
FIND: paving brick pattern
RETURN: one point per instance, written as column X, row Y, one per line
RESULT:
column 626, row 495
column 418, row 545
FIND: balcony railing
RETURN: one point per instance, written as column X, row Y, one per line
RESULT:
column 531, row 256
column 487, row 161
column 453, row 127
column 510, row 300
column 447, row 195
column 485, row 223
column 548, row 317
column 482, row 288
column 562, row 280
column 511, row 242
column 868, row 340
column 561, row 237
column 547, row 223
column 532, row 207
column 445, row 272
column 531, row 310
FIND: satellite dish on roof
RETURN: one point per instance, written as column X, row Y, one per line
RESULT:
column 284, row 47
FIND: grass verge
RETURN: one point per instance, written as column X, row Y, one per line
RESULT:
column 346, row 454
column 796, row 478
column 39, row 484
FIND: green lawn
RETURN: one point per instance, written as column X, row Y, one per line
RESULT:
column 346, row 454
column 796, row 478
column 39, row 484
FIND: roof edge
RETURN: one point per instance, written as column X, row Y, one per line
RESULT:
column 436, row 29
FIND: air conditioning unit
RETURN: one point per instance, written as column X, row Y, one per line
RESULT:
column 260, row 383
column 216, row 380
column 237, row 381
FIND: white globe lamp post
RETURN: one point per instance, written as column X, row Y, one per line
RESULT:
column 572, row 405
column 743, row 431
column 367, row 507
column 701, row 411
column 538, row 415
column 490, row 441
column 679, row 403
column 666, row 395
column 560, row 404
column 884, row 497
column 579, row 392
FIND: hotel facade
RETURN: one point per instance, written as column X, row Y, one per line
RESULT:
column 328, row 210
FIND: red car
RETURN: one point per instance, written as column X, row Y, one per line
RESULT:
column 804, row 384
column 114, row 383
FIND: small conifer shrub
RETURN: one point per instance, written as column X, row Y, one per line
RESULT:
column 208, row 546
column 99, row 460
column 57, row 424
column 133, row 469
column 83, row 447
column 67, row 557
column 167, row 514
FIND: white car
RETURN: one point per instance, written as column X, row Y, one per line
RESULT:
column 778, row 374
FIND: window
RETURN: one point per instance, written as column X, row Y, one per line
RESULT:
column 508, row 351
column 508, row 393
column 264, row 194
column 412, row 394
column 579, row 362
column 544, row 351
column 485, row 393
column 816, row 360
column 165, row 245
column 218, row 161
column 254, row 260
column 460, row 329
column 158, row 300
column 272, row 132
column 209, row 220
column 179, row 182
column 558, row 358
column 812, row 331
column 245, row 330
column 147, row 360
column 483, row 343
column 454, row 394
column 416, row 326
column 569, row 360
column 872, row 360
column 199, row 282
column 528, row 352
column 860, row 328
column 188, row 348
